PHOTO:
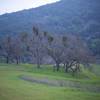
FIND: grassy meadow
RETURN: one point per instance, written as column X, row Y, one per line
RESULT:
column 13, row 87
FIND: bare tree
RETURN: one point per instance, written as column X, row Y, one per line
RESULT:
column 24, row 42
column 55, row 50
column 7, row 48
column 75, row 53
column 17, row 50
column 37, row 47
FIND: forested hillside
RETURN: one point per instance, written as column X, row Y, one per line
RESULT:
column 65, row 17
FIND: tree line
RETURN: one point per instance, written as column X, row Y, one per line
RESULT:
column 67, row 50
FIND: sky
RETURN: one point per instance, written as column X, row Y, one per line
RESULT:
column 8, row 6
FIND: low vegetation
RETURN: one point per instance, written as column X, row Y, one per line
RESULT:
column 13, row 87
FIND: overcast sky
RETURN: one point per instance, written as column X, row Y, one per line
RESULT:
column 7, row 6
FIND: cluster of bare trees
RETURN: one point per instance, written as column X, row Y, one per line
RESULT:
column 69, row 51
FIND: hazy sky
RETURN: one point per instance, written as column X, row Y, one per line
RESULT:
column 7, row 6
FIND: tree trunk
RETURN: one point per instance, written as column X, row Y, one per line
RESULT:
column 58, row 66
column 38, row 58
column 17, row 61
column 38, row 63
column 7, row 59
column 66, row 68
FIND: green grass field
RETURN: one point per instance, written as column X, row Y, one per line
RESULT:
column 12, row 87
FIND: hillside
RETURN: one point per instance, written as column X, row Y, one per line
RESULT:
column 80, row 17
column 66, row 16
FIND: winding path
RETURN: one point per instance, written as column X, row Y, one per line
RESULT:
column 62, row 83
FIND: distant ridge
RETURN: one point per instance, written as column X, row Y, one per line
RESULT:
column 67, row 16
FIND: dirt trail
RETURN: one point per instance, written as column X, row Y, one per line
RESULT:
column 62, row 83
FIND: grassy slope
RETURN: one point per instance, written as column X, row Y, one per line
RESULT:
column 96, row 69
column 12, row 88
